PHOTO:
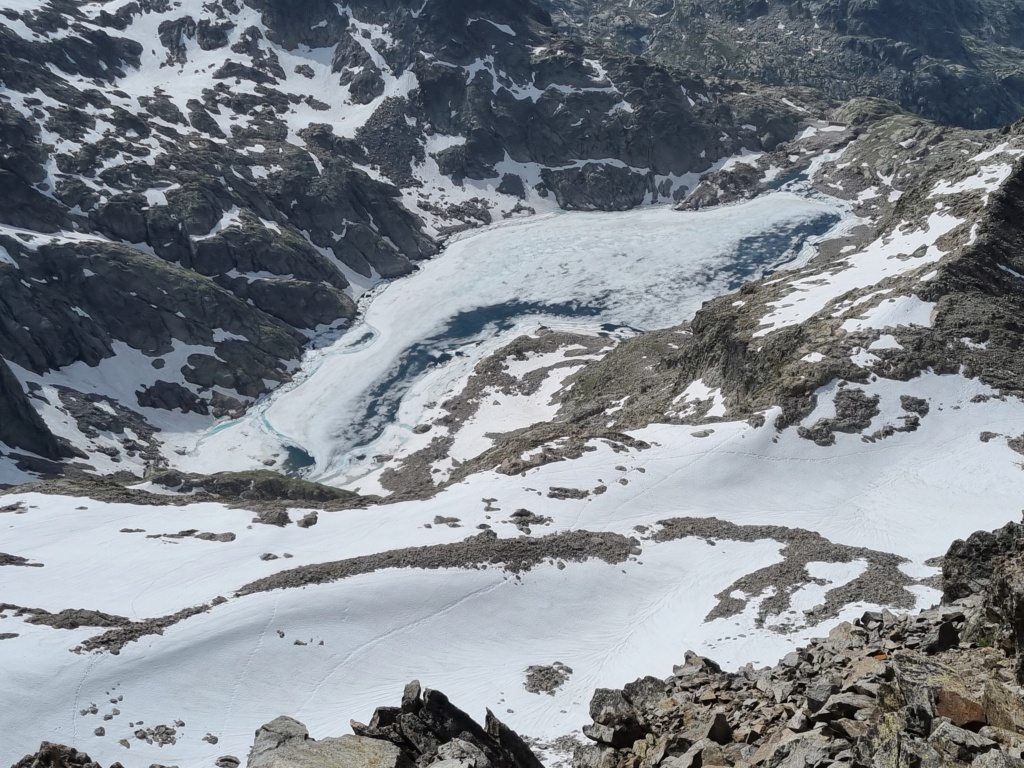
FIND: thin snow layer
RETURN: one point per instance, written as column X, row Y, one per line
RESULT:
column 988, row 179
column 644, row 269
column 472, row 633
column 698, row 392
column 901, row 251
column 892, row 313
column 503, row 412
column 118, row 377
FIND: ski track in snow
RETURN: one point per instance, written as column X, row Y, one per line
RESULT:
column 472, row 633
column 259, row 644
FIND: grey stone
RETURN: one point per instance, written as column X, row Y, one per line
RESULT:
column 957, row 743
column 285, row 743
column 818, row 692
column 465, row 752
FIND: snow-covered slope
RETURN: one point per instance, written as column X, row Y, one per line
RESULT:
column 473, row 632
column 196, row 189
column 802, row 449
column 580, row 447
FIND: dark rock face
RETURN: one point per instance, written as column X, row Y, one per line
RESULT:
column 138, row 216
column 428, row 728
column 957, row 61
column 854, row 412
column 970, row 564
column 992, row 565
column 56, row 756
column 20, row 425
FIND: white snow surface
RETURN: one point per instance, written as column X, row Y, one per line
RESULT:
column 644, row 269
column 892, row 313
column 472, row 633
column 902, row 250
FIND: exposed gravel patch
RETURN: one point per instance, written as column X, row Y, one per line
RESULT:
column 881, row 583
column 73, row 618
column 194, row 533
column 413, row 477
column 115, row 639
column 515, row 555
column 546, row 678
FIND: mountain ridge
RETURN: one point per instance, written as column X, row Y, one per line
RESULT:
column 269, row 196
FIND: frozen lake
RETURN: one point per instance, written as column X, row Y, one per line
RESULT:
column 592, row 272
column 472, row 632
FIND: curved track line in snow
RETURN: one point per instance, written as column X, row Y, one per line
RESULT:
column 259, row 644
column 77, row 705
column 397, row 630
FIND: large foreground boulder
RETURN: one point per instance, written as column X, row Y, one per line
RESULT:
column 430, row 729
column 427, row 729
column 285, row 743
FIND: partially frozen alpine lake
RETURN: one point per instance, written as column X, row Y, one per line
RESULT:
column 736, row 542
column 592, row 272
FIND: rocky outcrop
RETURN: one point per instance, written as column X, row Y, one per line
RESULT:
column 285, row 743
column 254, row 486
column 20, row 425
column 56, row 756
column 958, row 61
column 426, row 729
column 992, row 564
column 970, row 564
column 429, row 730
column 928, row 689
column 484, row 549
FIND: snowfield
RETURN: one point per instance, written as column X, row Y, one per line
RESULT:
column 643, row 269
column 331, row 651
column 472, row 632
